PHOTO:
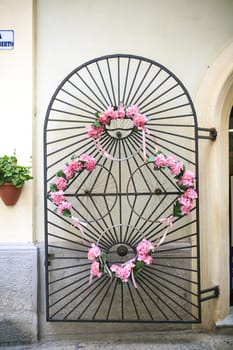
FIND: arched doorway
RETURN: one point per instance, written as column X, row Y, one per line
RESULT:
column 214, row 104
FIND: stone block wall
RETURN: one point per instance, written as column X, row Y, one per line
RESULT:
column 18, row 293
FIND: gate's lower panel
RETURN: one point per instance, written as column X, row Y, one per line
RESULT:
column 167, row 290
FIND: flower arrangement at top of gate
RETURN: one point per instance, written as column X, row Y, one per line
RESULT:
column 115, row 113
column 143, row 253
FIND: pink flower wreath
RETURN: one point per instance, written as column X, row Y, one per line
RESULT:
column 104, row 118
column 145, row 248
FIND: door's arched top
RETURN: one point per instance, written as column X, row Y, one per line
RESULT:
column 128, row 79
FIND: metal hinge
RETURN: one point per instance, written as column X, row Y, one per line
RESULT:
column 212, row 133
column 50, row 257
column 213, row 293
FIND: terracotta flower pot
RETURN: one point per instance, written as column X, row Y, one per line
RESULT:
column 9, row 193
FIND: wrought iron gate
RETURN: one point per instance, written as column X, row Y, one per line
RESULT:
column 122, row 201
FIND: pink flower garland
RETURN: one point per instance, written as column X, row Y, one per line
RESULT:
column 96, row 129
column 186, row 182
column 145, row 248
column 60, row 184
column 123, row 272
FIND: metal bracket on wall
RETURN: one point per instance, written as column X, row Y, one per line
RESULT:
column 212, row 293
column 48, row 261
column 212, row 133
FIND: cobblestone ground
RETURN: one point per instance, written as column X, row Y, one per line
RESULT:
column 140, row 341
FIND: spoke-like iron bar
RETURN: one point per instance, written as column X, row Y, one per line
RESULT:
column 126, row 79
column 93, row 299
column 111, row 82
column 102, row 299
column 147, row 87
column 132, row 83
column 97, row 85
column 167, row 110
column 156, row 304
column 87, row 96
column 150, row 283
column 156, row 279
column 95, row 285
column 175, row 276
column 110, row 102
column 91, row 90
column 133, row 302
column 111, row 300
column 151, row 93
column 140, row 84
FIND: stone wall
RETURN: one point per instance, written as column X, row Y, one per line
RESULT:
column 18, row 291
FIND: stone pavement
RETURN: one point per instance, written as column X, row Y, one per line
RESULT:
column 175, row 340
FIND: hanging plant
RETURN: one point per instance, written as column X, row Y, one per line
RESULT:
column 12, row 179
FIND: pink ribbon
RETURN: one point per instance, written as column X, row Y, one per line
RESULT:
column 144, row 132
column 106, row 266
column 169, row 222
column 133, row 279
column 79, row 224
column 144, row 143
column 102, row 150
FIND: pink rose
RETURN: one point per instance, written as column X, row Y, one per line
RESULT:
column 61, row 183
column 95, row 269
column 160, row 161
column 75, row 165
column 57, row 197
column 176, row 168
column 131, row 111
column 120, row 111
column 115, row 268
column 170, row 161
column 185, row 210
column 90, row 162
column 145, row 247
column 147, row 259
column 93, row 131
column 94, row 252
column 190, row 193
column 68, row 171
column 187, row 179
column 184, row 200
column 139, row 120
column 124, row 274
column 129, row 265
column 186, row 204
column 64, row 206
column 123, row 271
column 104, row 118
column 110, row 113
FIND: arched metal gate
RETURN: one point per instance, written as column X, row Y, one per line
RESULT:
column 122, row 201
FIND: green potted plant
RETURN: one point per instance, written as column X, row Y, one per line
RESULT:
column 12, row 178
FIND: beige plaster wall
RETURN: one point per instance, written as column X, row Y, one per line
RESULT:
column 214, row 101
column 16, row 112
column 185, row 36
